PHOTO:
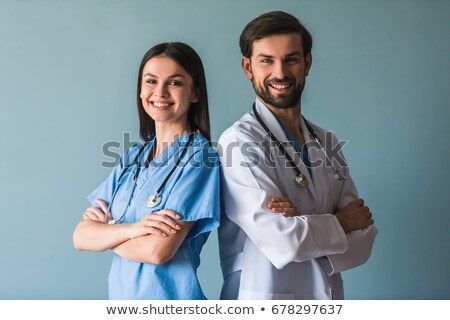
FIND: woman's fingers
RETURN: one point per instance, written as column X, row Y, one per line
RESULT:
column 169, row 213
column 103, row 205
column 156, row 231
column 99, row 215
column 162, row 222
column 89, row 216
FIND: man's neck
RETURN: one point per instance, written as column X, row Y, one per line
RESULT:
column 290, row 119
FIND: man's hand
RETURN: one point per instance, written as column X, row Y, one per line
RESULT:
column 355, row 216
column 284, row 206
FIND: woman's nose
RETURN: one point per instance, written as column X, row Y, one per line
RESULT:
column 161, row 91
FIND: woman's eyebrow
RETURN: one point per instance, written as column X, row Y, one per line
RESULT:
column 175, row 75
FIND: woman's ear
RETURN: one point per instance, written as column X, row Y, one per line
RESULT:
column 196, row 96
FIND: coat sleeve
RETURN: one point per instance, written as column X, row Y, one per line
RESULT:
column 360, row 242
column 248, row 184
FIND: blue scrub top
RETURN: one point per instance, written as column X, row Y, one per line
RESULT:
column 193, row 190
column 301, row 150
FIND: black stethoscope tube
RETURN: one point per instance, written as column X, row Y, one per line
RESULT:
column 135, row 177
column 278, row 143
column 299, row 177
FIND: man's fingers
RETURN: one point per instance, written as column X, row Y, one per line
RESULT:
column 284, row 204
column 287, row 212
column 290, row 212
column 279, row 199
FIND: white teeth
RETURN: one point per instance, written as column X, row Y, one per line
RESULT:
column 280, row 86
column 160, row 104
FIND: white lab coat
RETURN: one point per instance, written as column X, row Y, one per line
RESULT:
column 265, row 255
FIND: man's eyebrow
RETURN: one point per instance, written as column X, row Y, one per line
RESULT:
column 175, row 75
column 263, row 55
column 295, row 53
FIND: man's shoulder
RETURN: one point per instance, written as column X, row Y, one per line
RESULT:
column 320, row 131
column 247, row 127
column 316, row 128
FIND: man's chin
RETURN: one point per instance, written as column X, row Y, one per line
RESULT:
column 280, row 103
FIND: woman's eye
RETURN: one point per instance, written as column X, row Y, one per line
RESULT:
column 175, row 83
column 150, row 81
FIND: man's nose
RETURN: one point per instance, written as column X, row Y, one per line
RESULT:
column 279, row 70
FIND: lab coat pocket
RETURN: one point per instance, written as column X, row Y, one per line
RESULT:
column 335, row 187
column 255, row 295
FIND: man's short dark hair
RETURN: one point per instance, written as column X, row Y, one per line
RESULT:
column 271, row 23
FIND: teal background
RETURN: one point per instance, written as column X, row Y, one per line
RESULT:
column 68, row 69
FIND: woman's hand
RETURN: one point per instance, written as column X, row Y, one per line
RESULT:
column 157, row 223
column 284, row 206
column 96, row 214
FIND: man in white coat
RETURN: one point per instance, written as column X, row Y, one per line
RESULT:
column 293, row 219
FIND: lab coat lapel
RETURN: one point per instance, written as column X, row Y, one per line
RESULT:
column 274, row 126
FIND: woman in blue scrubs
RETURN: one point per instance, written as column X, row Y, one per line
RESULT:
column 161, row 209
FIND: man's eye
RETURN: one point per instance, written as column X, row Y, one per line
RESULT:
column 266, row 60
column 291, row 60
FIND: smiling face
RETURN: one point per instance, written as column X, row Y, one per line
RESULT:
column 277, row 69
column 167, row 91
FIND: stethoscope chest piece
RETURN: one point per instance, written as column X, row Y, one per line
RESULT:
column 153, row 200
column 301, row 180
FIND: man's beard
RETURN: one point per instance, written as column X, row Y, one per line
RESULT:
column 281, row 101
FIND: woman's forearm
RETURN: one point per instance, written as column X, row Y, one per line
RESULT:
column 97, row 236
column 153, row 248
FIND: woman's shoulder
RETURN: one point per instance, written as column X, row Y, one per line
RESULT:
column 131, row 152
column 203, row 151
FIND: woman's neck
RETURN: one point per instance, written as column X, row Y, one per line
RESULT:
column 166, row 133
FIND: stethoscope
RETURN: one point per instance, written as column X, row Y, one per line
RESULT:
column 154, row 199
column 299, row 177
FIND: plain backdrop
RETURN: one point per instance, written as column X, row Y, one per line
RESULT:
column 68, row 69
